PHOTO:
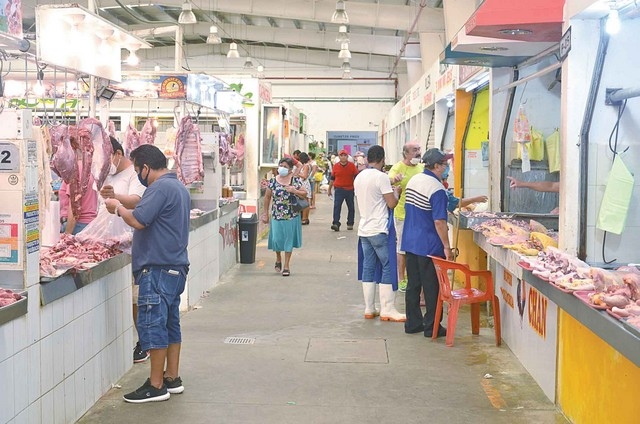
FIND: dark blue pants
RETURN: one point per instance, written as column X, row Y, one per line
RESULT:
column 340, row 195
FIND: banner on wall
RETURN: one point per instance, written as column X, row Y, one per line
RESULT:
column 271, row 137
column 351, row 141
column 152, row 87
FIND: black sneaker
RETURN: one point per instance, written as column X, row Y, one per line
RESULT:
column 349, row 227
column 139, row 355
column 335, row 227
column 147, row 393
column 174, row 385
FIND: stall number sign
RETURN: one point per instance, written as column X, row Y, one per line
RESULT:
column 9, row 157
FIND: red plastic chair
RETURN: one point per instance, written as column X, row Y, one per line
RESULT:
column 466, row 295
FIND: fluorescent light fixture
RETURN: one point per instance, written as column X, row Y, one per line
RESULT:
column 233, row 51
column 340, row 15
column 411, row 59
column 613, row 22
column 248, row 64
column 478, row 82
column 344, row 51
column 187, row 16
column 343, row 35
column 213, row 37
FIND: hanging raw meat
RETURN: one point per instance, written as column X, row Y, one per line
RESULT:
column 131, row 140
column 111, row 129
column 81, row 140
column 188, row 153
column 238, row 150
column 225, row 152
column 64, row 161
column 148, row 133
column 102, row 150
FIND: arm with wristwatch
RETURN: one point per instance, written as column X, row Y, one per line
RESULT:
column 116, row 207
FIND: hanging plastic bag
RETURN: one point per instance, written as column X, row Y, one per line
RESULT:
column 616, row 199
column 522, row 135
column 108, row 230
column 553, row 151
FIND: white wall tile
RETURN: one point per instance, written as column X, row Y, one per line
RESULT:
column 96, row 372
column 68, row 349
column 6, row 337
column 21, row 380
column 68, row 309
column 78, row 304
column 88, row 325
column 7, row 401
column 46, row 416
column 20, row 333
column 119, row 355
column 81, row 393
column 111, row 319
column 70, row 399
column 34, row 372
column 22, row 417
column 57, row 338
column 89, row 382
column 58, row 405
column 58, row 314
column 46, row 320
column 46, row 364
column 33, row 314
column 35, row 411
column 118, row 316
column 78, row 343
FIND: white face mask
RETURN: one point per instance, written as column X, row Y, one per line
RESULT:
column 113, row 168
column 415, row 161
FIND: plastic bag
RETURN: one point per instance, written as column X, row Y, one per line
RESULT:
column 535, row 148
column 109, row 230
column 617, row 198
column 553, row 151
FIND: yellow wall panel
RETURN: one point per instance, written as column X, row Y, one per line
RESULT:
column 596, row 384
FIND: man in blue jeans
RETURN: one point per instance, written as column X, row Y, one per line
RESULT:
column 375, row 196
column 342, row 175
column 160, row 265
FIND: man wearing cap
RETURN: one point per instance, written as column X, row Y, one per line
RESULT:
column 342, row 176
column 426, row 233
column 400, row 174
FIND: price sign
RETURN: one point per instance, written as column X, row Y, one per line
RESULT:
column 565, row 44
column 9, row 157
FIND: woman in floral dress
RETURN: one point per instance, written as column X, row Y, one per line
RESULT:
column 285, row 229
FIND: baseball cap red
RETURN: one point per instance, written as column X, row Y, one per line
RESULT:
column 343, row 152
column 433, row 156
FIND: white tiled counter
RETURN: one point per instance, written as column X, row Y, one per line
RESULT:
column 60, row 358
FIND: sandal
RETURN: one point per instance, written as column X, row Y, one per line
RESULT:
column 278, row 266
column 286, row 272
column 305, row 222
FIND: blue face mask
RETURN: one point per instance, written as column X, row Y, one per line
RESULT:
column 143, row 181
column 445, row 174
column 283, row 171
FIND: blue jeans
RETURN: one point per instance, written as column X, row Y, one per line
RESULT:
column 341, row 195
column 159, row 305
column 374, row 249
column 79, row 227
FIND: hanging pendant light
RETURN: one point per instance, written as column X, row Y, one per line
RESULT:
column 344, row 51
column 213, row 37
column 260, row 70
column 346, row 66
column 248, row 64
column 343, row 35
column 187, row 16
column 340, row 15
column 233, row 51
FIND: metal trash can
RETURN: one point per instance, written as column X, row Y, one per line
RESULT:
column 248, row 235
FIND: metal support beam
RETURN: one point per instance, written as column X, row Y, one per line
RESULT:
column 617, row 95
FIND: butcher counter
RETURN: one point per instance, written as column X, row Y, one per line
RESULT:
column 565, row 344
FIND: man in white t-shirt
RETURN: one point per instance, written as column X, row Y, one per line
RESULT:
column 123, row 185
column 375, row 195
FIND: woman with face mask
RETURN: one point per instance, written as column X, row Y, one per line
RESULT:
column 285, row 229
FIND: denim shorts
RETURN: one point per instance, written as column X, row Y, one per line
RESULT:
column 375, row 250
column 160, row 288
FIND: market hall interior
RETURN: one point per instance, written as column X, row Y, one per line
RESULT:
column 301, row 351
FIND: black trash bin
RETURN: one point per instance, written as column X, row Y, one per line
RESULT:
column 247, row 235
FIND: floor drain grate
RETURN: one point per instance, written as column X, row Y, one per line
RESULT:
column 239, row 340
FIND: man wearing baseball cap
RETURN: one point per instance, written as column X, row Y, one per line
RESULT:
column 426, row 233
column 342, row 176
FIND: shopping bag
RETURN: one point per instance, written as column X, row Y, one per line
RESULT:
column 616, row 199
column 109, row 230
column 317, row 177
column 522, row 136
column 553, row 151
column 298, row 204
